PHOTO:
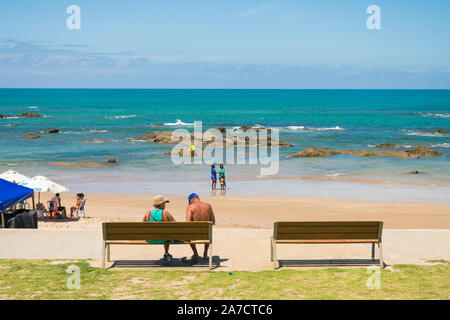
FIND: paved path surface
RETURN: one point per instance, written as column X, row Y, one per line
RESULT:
column 234, row 249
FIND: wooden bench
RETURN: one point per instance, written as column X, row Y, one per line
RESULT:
column 319, row 232
column 135, row 233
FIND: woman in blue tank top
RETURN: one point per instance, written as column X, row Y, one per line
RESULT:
column 159, row 214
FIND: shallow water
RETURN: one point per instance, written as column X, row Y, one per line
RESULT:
column 354, row 119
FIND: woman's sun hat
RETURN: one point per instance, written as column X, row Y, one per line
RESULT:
column 159, row 200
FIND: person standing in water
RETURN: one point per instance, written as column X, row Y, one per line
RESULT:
column 213, row 177
column 221, row 171
column 159, row 214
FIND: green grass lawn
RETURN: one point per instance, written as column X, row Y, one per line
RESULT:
column 46, row 279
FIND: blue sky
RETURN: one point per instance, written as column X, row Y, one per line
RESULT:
column 225, row 44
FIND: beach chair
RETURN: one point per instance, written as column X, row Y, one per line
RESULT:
column 80, row 211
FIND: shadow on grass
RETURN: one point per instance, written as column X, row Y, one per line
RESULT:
column 330, row 263
column 175, row 263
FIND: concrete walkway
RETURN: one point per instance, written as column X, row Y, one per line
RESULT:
column 234, row 249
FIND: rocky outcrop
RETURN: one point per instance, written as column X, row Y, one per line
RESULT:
column 96, row 141
column 30, row 115
column 413, row 152
column 31, row 136
column 441, row 131
column 111, row 160
column 54, row 130
column 165, row 137
column 390, row 145
column 313, row 152
column 24, row 115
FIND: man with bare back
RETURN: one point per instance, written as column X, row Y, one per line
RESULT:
column 199, row 211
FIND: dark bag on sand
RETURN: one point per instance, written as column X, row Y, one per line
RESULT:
column 24, row 220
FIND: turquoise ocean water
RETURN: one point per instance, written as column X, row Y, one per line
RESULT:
column 354, row 119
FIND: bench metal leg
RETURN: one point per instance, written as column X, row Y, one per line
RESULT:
column 210, row 256
column 274, row 251
column 271, row 248
column 103, row 254
column 373, row 251
column 108, row 252
column 380, row 253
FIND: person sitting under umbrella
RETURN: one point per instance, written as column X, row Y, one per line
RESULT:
column 80, row 197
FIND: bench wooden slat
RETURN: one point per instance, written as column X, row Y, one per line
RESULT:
column 157, row 236
column 328, row 223
column 143, row 242
column 167, row 224
column 160, row 230
column 344, row 229
column 328, row 241
column 326, row 236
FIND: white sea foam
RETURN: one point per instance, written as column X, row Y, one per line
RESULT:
column 121, row 116
column 303, row 128
column 424, row 134
column 178, row 123
column 332, row 175
column 441, row 145
column 81, row 132
column 33, row 107
column 439, row 115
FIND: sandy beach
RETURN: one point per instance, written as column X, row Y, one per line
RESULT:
column 258, row 212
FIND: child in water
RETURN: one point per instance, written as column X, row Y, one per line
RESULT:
column 213, row 177
column 223, row 185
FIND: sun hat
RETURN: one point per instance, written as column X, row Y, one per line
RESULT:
column 192, row 196
column 159, row 200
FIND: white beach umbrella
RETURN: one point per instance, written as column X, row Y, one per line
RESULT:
column 14, row 176
column 43, row 184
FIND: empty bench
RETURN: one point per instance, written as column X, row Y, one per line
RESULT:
column 320, row 232
column 135, row 233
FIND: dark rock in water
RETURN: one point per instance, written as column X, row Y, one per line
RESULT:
column 31, row 136
column 54, row 130
column 30, row 115
column 3, row 116
column 157, row 124
column 390, row 145
column 165, row 137
column 111, row 160
column 313, row 152
column 413, row 152
column 414, row 172
column 11, row 125
column 96, row 141
column 441, row 131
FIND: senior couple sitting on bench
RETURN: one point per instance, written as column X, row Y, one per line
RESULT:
column 195, row 211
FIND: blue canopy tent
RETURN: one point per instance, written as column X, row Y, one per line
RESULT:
column 11, row 193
